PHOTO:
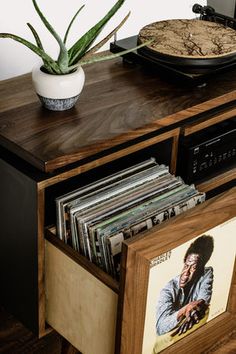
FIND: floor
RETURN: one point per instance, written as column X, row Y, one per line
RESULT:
column 16, row 339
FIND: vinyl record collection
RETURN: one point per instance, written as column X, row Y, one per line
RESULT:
column 95, row 219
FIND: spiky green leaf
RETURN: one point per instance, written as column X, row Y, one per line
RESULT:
column 63, row 55
column 78, row 50
column 100, row 57
column 35, row 49
column 106, row 39
column 36, row 36
column 39, row 44
column 70, row 24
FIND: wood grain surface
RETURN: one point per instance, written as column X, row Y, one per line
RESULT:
column 118, row 104
column 79, row 306
column 82, row 261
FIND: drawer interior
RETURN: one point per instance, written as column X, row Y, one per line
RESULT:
column 79, row 306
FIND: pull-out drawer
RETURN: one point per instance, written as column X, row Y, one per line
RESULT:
column 98, row 315
column 79, row 305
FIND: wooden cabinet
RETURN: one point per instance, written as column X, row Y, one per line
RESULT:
column 125, row 115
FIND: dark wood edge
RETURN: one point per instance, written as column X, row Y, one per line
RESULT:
column 52, row 165
column 23, row 154
column 217, row 181
column 174, row 154
column 82, row 261
column 41, row 264
column 135, row 256
column 231, row 306
column 196, row 126
column 48, row 329
column 108, row 158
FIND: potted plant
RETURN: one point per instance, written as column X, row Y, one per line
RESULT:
column 59, row 82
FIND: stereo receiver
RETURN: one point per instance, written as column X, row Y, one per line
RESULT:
column 208, row 151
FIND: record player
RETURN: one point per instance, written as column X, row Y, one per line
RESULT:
column 184, row 62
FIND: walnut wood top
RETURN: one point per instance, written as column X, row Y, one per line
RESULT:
column 118, row 104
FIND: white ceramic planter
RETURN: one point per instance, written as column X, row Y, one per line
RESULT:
column 58, row 92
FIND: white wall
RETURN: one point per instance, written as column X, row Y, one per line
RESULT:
column 15, row 59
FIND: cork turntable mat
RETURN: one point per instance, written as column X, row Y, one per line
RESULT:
column 189, row 39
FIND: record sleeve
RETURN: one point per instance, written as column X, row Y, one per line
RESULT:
column 112, row 243
column 108, row 192
column 64, row 200
column 119, row 203
column 145, row 208
column 138, row 213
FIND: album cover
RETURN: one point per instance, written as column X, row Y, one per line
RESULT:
column 186, row 288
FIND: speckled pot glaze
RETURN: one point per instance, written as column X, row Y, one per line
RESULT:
column 58, row 92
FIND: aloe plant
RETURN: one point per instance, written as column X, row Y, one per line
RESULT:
column 81, row 52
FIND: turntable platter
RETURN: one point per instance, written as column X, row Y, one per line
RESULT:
column 189, row 42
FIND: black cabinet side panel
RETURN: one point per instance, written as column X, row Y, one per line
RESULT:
column 18, row 245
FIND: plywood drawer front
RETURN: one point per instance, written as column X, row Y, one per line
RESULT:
column 79, row 306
